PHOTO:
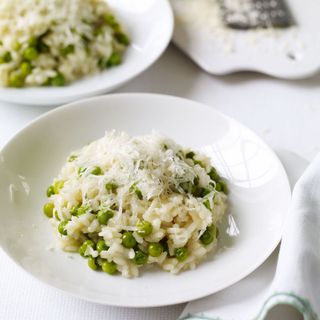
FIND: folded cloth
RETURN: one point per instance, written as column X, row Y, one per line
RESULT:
column 292, row 279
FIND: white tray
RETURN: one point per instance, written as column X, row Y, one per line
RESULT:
column 290, row 53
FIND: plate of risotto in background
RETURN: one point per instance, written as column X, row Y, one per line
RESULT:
column 56, row 51
column 135, row 209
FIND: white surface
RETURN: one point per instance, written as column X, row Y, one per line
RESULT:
column 259, row 196
column 149, row 24
column 245, row 299
column 283, row 53
column 285, row 113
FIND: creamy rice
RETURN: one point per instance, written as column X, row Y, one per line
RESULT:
column 131, row 201
column 55, row 42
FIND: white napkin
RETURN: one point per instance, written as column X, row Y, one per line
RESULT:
column 292, row 280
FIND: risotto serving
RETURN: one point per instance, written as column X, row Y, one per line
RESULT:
column 54, row 42
column 123, row 202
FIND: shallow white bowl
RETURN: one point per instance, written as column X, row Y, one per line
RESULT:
column 259, row 196
column 150, row 26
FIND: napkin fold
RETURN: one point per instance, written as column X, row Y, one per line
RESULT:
column 287, row 284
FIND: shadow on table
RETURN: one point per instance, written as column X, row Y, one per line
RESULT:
column 175, row 74
column 172, row 74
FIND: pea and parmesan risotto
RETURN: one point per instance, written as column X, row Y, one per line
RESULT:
column 55, row 42
column 123, row 202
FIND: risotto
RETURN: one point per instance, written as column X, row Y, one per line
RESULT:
column 124, row 202
column 55, row 42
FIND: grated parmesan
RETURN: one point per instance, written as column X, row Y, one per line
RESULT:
column 146, row 178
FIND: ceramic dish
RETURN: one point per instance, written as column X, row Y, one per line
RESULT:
column 259, row 196
column 149, row 24
column 290, row 53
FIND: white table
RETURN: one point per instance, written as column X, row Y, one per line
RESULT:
column 285, row 114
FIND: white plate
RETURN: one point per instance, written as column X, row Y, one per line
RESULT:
column 288, row 53
column 150, row 26
column 259, row 197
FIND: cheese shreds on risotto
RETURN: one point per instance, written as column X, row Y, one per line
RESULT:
column 123, row 202
column 55, row 42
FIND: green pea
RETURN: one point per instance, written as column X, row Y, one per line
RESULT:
column 155, row 249
column 73, row 157
column 33, row 41
column 102, row 63
column 74, row 210
column 90, row 243
column 101, row 246
column 50, row 191
column 6, row 57
column 224, row 187
column 111, row 20
column 140, row 258
column 16, row 46
column 209, row 235
column 199, row 163
column 96, row 171
column 25, row 68
column 61, row 227
column 57, row 186
column 46, row 83
column 109, row 267
column 48, row 209
column 213, row 174
column 58, row 80
column 104, row 216
column 112, row 187
column 190, row 155
column 82, row 210
column 206, row 203
column 98, row 30
column 92, row 263
column 218, row 187
column 181, row 254
column 67, row 50
column 114, row 60
column 85, row 245
column 122, row 38
column 16, row 80
column 198, row 192
column 128, row 240
column 30, row 53
column 144, row 228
